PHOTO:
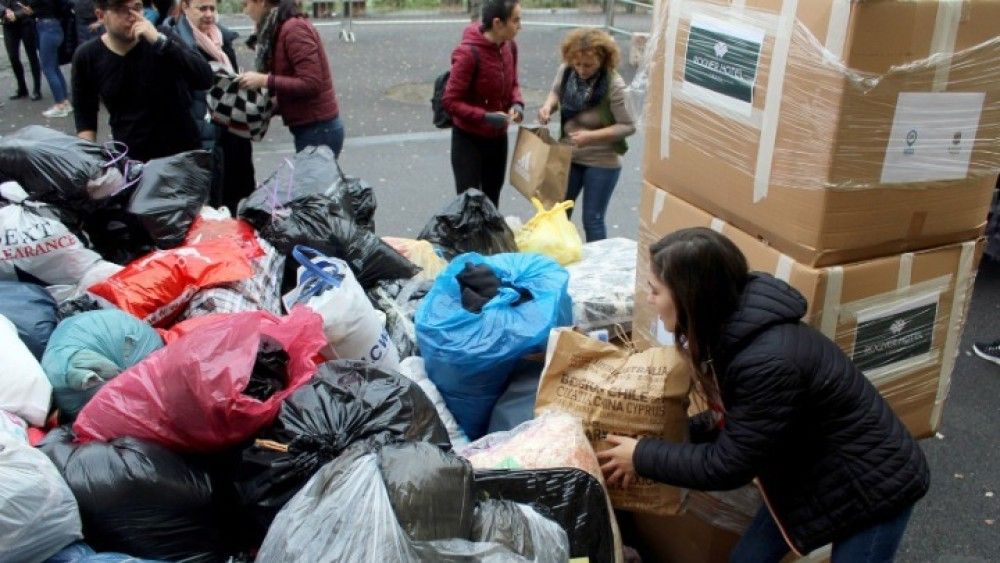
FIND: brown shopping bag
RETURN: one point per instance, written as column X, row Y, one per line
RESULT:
column 540, row 167
column 619, row 391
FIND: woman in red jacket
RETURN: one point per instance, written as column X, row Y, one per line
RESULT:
column 292, row 65
column 483, row 97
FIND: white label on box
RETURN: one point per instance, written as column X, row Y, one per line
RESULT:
column 721, row 61
column 932, row 136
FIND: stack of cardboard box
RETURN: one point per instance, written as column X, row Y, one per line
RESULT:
column 848, row 148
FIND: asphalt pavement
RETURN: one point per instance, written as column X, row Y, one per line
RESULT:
column 383, row 87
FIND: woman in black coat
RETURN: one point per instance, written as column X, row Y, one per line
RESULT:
column 233, row 179
column 788, row 410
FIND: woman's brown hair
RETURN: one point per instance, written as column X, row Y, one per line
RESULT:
column 705, row 274
column 588, row 39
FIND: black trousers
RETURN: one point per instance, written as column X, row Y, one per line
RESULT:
column 13, row 35
column 479, row 162
column 233, row 174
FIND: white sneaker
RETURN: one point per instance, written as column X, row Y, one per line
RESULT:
column 58, row 111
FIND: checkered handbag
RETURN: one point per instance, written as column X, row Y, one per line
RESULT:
column 246, row 113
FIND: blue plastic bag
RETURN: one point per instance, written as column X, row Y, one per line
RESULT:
column 469, row 356
column 33, row 312
column 88, row 349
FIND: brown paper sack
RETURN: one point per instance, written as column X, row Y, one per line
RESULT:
column 620, row 391
column 540, row 167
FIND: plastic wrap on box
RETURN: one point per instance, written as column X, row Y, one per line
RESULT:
column 602, row 285
column 826, row 107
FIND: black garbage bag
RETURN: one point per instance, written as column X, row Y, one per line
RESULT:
column 314, row 221
column 470, row 223
column 51, row 166
column 572, row 497
column 32, row 310
column 431, row 490
column 269, row 375
column 313, row 171
column 138, row 498
column 345, row 403
column 116, row 233
column 170, row 195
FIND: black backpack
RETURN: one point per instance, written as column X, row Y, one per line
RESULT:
column 441, row 118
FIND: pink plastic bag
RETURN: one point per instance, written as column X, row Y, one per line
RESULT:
column 189, row 395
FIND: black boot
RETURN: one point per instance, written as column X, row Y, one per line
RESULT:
column 36, row 96
column 21, row 93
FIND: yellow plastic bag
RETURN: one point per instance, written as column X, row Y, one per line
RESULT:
column 421, row 253
column 551, row 233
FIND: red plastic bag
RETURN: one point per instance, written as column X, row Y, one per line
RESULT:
column 189, row 396
column 156, row 287
column 210, row 228
column 174, row 333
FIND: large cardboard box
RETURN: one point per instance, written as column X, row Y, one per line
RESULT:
column 835, row 130
column 899, row 318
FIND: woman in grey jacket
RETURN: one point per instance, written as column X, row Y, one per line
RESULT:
column 594, row 118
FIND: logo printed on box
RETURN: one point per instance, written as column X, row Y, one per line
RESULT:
column 721, row 61
column 894, row 336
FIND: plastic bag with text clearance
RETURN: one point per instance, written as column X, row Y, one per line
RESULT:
column 36, row 246
column 40, row 514
column 191, row 395
column 469, row 356
column 347, row 402
column 157, row 287
column 550, row 232
column 321, row 523
column 138, row 497
column 470, row 223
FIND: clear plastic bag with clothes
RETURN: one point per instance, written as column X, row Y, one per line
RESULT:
column 322, row 524
column 602, row 285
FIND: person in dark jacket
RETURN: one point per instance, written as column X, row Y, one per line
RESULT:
column 18, row 28
column 292, row 65
column 144, row 76
column 483, row 98
column 787, row 408
column 87, row 26
column 197, row 27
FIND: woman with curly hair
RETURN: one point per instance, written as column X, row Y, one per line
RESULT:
column 594, row 118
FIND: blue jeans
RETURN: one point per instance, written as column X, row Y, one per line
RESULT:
column 763, row 542
column 597, row 185
column 329, row 132
column 50, row 37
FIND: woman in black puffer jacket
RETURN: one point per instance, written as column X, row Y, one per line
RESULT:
column 788, row 409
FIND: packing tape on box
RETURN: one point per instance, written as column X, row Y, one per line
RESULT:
column 960, row 301
column 949, row 16
column 836, row 31
column 772, row 102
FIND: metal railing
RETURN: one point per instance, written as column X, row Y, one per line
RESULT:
column 631, row 5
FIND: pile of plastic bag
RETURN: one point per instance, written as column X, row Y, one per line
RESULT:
column 181, row 384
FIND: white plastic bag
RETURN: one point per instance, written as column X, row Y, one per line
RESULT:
column 354, row 329
column 602, row 285
column 34, row 242
column 344, row 513
column 24, row 389
column 38, row 513
column 413, row 369
column 13, row 426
